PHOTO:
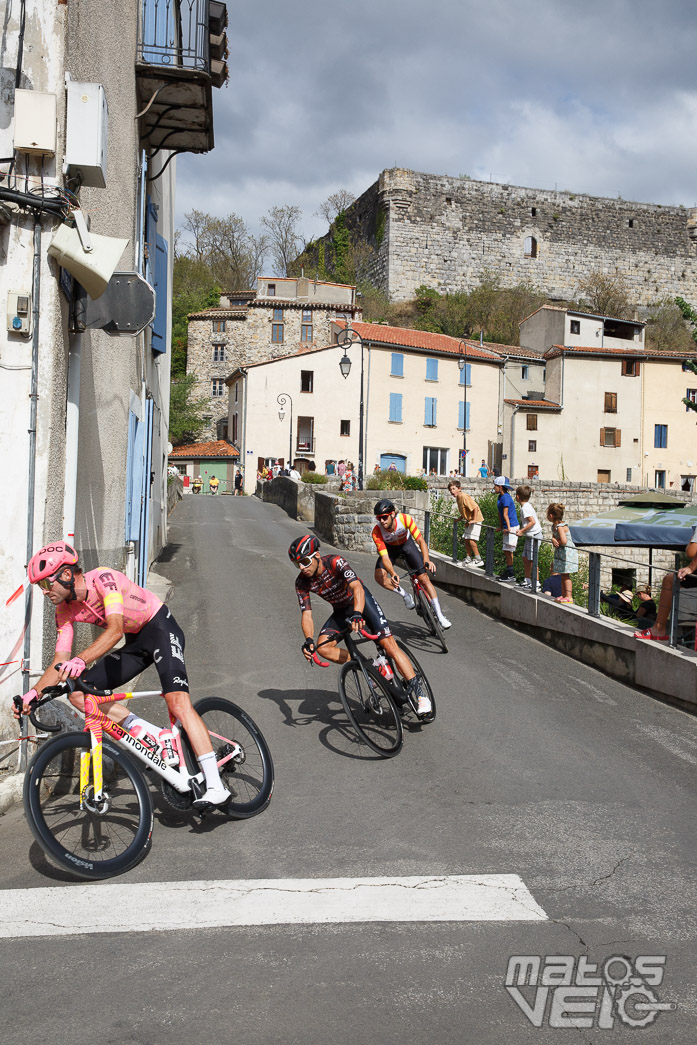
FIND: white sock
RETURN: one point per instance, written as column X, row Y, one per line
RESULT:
column 209, row 768
column 400, row 591
column 136, row 720
column 436, row 605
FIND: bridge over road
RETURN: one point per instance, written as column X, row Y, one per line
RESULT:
column 547, row 812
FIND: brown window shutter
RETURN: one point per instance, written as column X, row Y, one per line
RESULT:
column 618, row 437
column 602, row 437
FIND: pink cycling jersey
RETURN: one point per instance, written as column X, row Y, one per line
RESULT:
column 108, row 593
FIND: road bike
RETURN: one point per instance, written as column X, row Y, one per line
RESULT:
column 374, row 693
column 423, row 607
column 85, row 797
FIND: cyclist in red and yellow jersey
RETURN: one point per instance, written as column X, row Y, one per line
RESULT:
column 396, row 536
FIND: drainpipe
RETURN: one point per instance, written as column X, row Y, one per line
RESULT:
column 72, row 426
column 243, row 441
column 31, row 473
column 511, row 473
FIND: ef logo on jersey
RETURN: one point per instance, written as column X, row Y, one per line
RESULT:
column 108, row 581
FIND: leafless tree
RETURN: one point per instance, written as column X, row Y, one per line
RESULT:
column 336, row 203
column 286, row 241
column 233, row 255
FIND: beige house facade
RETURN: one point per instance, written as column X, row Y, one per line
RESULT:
column 669, row 429
column 280, row 317
column 415, row 402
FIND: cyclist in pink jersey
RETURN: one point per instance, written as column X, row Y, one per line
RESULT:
column 109, row 600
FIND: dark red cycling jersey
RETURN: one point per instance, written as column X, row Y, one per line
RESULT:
column 331, row 583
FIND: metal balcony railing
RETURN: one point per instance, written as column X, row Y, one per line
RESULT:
column 175, row 33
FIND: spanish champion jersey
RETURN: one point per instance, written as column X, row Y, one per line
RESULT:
column 108, row 593
column 331, row 583
column 405, row 527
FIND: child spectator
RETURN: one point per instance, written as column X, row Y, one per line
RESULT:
column 509, row 523
column 531, row 530
column 565, row 554
column 472, row 514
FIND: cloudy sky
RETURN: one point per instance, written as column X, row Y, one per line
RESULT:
column 595, row 96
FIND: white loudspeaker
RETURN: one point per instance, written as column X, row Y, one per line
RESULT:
column 92, row 269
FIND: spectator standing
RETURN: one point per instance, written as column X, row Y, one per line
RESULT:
column 294, row 474
column 565, row 553
column 508, row 523
column 331, row 467
column 238, row 483
column 340, row 469
column 531, row 529
column 349, row 481
column 483, row 469
column 472, row 514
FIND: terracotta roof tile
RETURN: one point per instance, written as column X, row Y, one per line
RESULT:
column 217, row 448
column 537, row 404
column 593, row 350
column 423, row 339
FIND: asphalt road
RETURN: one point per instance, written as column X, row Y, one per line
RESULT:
column 535, row 766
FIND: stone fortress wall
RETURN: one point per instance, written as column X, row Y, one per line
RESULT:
column 446, row 232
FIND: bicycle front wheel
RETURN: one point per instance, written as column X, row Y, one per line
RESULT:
column 248, row 775
column 430, row 619
column 370, row 708
column 103, row 838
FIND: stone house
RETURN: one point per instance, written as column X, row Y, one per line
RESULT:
column 552, row 325
column 280, row 317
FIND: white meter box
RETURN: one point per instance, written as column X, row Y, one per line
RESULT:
column 35, row 122
column 87, row 133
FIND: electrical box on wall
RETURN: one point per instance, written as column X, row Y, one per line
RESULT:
column 35, row 122
column 19, row 312
column 86, row 133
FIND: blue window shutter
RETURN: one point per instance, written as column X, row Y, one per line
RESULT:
column 461, row 415
column 467, row 420
column 466, row 374
column 159, row 326
column 431, row 369
column 430, row 411
column 435, row 403
column 397, row 365
column 134, row 477
column 395, row 406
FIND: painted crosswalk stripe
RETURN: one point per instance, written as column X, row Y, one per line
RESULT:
column 142, row 907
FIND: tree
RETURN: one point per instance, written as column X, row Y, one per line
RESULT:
column 193, row 289
column 233, row 255
column 666, row 329
column 335, row 204
column 185, row 412
column 605, row 295
column 285, row 239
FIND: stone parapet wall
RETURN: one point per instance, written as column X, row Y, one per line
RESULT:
column 447, row 232
column 347, row 520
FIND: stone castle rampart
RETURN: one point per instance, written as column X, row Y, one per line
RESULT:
column 447, row 232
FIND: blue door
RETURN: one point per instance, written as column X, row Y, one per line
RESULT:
column 398, row 460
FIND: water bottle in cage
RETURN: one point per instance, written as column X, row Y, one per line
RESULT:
column 383, row 666
column 168, row 747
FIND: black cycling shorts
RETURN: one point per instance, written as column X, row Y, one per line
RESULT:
column 161, row 642
column 409, row 553
column 375, row 620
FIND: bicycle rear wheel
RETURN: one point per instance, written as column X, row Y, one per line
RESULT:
column 249, row 777
column 425, row 684
column 102, row 839
column 430, row 619
column 370, row 708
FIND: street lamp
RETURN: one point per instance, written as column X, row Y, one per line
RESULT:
column 345, row 338
column 282, row 399
column 462, row 363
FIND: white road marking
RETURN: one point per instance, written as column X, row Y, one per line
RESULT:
column 165, row 906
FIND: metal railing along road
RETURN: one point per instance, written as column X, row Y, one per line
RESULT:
column 594, row 566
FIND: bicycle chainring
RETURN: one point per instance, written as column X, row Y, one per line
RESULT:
column 176, row 799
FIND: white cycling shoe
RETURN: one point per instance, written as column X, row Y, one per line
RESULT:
column 212, row 796
column 424, row 706
column 408, row 601
column 444, row 622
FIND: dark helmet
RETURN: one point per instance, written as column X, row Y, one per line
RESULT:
column 384, row 506
column 302, row 546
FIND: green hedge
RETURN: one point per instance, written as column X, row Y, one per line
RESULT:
column 314, row 478
column 391, row 479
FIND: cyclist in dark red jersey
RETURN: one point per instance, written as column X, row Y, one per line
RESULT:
column 334, row 580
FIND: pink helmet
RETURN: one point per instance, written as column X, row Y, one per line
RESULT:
column 49, row 560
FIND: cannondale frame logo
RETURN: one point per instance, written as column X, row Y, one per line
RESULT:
column 564, row 990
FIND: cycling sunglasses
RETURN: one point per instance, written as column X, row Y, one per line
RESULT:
column 46, row 583
column 306, row 561
column 382, row 518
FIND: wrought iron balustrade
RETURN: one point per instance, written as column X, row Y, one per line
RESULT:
column 175, row 33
